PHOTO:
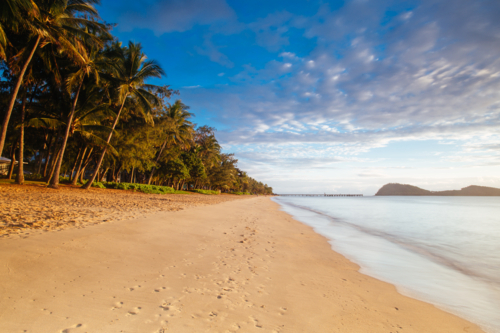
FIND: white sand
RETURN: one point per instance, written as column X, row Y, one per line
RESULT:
column 29, row 209
column 238, row 266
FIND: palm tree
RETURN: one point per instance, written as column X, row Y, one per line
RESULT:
column 130, row 71
column 20, row 169
column 177, row 130
column 210, row 150
column 54, row 22
column 11, row 12
column 94, row 62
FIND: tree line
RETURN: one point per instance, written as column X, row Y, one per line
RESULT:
column 76, row 102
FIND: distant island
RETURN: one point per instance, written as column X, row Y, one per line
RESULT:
column 404, row 189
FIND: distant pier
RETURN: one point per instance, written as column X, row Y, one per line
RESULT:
column 320, row 195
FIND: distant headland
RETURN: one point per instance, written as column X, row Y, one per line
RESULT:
column 404, row 189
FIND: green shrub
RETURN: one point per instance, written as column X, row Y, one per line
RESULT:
column 33, row 176
column 122, row 186
column 110, row 184
column 209, row 192
column 98, row 184
column 151, row 189
column 64, row 180
column 241, row 193
column 155, row 189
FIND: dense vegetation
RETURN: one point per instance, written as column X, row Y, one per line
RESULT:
column 77, row 102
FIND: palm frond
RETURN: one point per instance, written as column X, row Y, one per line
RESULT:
column 50, row 123
column 149, row 69
column 79, row 7
column 103, row 110
column 97, row 141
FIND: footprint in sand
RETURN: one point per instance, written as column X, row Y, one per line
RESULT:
column 117, row 305
column 255, row 322
column 172, row 309
column 46, row 311
column 133, row 288
column 73, row 329
column 134, row 311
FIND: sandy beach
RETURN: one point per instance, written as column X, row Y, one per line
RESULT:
column 25, row 210
column 185, row 264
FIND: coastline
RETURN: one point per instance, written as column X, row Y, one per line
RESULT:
column 242, row 265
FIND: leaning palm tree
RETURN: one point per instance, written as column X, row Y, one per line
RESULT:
column 11, row 12
column 95, row 61
column 130, row 71
column 55, row 22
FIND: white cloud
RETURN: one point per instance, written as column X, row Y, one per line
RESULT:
column 213, row 52
column 428, row 74
column 270, row 31
column 172, row 15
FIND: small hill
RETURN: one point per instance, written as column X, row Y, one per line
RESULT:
column 403, row 189
column 472, row 190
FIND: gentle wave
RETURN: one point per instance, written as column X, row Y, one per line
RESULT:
column 445, row 251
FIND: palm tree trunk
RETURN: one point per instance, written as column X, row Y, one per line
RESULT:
column 132, row 176
column 87, row 161
column 53, row 165
column 116, row 174
column 50, row 160
column 12, row 160
column 79, row 170
column 72, row 174
column 157, row 159
column 74, row 180
column 39, row 162
column 151, row 175
column 103, row 174
column 47, row 155
column 14, row 95
column 82, row 174
column 20, row 168
column 98, row 165
column 54, row 182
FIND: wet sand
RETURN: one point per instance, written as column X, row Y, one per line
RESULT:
column 236, row 266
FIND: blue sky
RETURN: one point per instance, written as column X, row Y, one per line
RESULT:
column 335, row 96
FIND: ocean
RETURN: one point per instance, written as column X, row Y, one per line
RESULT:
column 442, row 250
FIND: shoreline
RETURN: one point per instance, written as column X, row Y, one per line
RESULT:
column 242, row 265
column 400, row 262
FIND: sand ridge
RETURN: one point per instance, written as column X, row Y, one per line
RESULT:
column 240, row 266
column 26, row 209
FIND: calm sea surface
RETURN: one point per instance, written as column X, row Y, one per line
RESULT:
column 443, row 250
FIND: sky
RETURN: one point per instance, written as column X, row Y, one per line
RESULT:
column 318, row 96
